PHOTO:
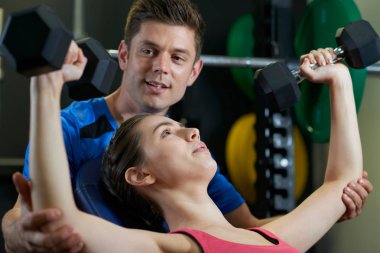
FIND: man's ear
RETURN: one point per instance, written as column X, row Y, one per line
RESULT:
column 138, row 176
column 197, row 68
column 123, row 55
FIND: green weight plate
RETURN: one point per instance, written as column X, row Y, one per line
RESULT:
column 240, row 43
column 317, row 29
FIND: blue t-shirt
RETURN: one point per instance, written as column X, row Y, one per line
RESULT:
column 87, row 129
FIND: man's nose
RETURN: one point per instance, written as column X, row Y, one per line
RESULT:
column 161, row 64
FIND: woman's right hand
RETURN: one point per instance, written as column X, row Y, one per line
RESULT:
column 74, row 63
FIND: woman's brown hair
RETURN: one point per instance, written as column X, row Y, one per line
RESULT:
column 123, row 152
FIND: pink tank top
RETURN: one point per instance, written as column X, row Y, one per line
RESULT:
column 212, row 244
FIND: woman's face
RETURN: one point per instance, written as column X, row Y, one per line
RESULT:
column 175, row 154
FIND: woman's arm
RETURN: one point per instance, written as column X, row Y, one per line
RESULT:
column 48, row 160
column 314, row 217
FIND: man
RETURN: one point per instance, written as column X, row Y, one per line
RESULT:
column 160, row 58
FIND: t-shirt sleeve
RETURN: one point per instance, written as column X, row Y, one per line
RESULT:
column 71, row 137
column 25, row 171
column 224, row 194
column 69, row 131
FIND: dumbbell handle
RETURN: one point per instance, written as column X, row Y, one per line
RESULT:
column 339, row 55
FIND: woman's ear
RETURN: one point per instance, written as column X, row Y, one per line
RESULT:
column 138, row 176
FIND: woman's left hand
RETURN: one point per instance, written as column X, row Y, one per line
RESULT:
column 326, row 71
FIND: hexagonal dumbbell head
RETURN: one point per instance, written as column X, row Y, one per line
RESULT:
column 360, row 43
column 34, row 41
column 98, row 75
column 279, row 85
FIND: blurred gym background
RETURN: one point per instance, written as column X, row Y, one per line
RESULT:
column 220, row 103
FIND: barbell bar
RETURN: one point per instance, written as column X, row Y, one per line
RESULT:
column 249, row 62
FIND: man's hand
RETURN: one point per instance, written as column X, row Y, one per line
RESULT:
column 36, row 231
column 354, row 196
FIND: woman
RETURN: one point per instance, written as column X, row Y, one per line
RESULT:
column 169, row 166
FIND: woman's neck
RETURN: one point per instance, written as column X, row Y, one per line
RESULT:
column 195, row 211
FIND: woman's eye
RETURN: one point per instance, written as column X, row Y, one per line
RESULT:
column 165, row 133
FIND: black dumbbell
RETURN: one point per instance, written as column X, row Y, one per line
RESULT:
column 98, row 75
column 358, row 44
column 34, row 41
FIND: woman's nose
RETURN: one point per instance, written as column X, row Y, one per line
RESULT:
column 192, row 134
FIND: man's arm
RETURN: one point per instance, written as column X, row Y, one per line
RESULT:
column 22, row 229
column 355, row 195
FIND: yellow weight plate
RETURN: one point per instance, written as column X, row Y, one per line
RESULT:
column 241, row 158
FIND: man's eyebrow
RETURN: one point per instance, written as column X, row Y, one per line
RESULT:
column 167, row 123
column 182, row 51
column 148, row 43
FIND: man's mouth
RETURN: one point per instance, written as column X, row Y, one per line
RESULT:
column 157, row 85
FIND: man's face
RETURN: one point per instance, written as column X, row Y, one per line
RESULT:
column 159, row 66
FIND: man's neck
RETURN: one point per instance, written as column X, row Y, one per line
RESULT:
column 121, row 107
